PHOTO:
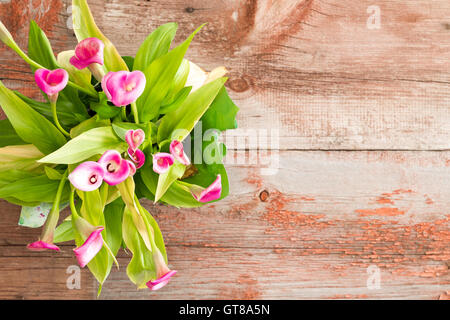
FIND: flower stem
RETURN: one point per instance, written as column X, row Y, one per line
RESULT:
column 135, row 112
column 55, row 118
column 53, row 216
column 124, row 113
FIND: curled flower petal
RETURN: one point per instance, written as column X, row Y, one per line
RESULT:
column 135, row 138
column 137, row 156
column 88, row 176
column 211, row 193
column 41, row 246
column 116, row 169
column 123, row 87
column 162, row 281
column 51, row 82
column 177, row 150
column 90, row 247
column 87, row 52
column 132, row 167
column 162, row 162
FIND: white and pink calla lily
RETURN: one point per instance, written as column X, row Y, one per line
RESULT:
column 88, row 176
column 177, row 150
column 116, row 169
column 90, row 247
column 209, row 194
column 162, row 162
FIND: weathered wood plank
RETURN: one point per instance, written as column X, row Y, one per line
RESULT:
column 312, row 69
column 310, row 231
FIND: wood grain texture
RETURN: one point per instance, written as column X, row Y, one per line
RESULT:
column 312, row 70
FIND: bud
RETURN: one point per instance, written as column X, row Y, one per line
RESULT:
column 6, row 37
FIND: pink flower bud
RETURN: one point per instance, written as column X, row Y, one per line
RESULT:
column 177, row 150
column 51, row 82
column 116, row 169
column 123, row 87
column 41, row 246
column 87, row 52
column 88, row 176
column 162, row 162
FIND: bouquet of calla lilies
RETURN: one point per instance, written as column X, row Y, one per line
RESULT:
column 113, row 130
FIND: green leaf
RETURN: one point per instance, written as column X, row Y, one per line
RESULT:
column 23, row 157
column 93, row 142
column 221, row 115
column 39, row 188
column 156, row 45
column 64, row 232
column 178, row 83
column 177, row 101
column 87, row 125
column 85, row 27
column 29, row 124
column 181, row 121
column 81, row 77
column 165, row 180
column 141, row 268
column 103, row 109
column 9, row 176
column 8, row 136
column 129, row 61
column 53, row 174
column 160, row 76
column 113, row 218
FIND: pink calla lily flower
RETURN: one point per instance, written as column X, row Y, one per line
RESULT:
column 116, row 169
column 51, row 82
column 87, row 52
column 123, row 88
column 211, row 193
column 161, row 282
column 162, row 162
column 137, row 156
column 90, row 247
column 41, row 246
column 177, row 150
column 88, row 176
column 135, row 138
column 163, row 273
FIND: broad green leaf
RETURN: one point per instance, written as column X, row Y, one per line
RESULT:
column 93, row 142
column 64, row 232
column 11, row 175
column 103, row 109
column 178, row 100
column 181, row 121
column 160, row 76
column 156, row 45
column 141, row 268
column 29, row 124
column 221, row 115
column 23, row 157
column 39, row 188
column 87, row 125
column 8, row 136
column 166, row 179
column 113, row 218
column 129, row 61
column 178, row 83
column 85, row 27
column 53, row 174
column 92, row 207
column 67, row 116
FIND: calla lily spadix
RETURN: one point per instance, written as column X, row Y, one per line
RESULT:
column 88, row 176
column 162, row 162
column 116, row 169
column 123, row 88
column 177, row 150
column 89, row 54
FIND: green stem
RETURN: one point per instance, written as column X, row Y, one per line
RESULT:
column 55, row 118
column 135, row 112
column 53, row 216
column 124, row 113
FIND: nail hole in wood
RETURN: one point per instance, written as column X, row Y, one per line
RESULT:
column 189, row 9
column 264, row 195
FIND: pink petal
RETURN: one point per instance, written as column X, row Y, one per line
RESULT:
column 132, row 167
column 90, row 247
column 42, row 246
column 162, row 162
column 123, row 87
column 135, row 138
column 137, row 156
column 88, row 176
column 211, row 193
column 161, row 282
column 87, row 52
column 116, row 169
column 177, row 150
column 51, row 82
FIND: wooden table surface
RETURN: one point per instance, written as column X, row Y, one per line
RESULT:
column 362, row 161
